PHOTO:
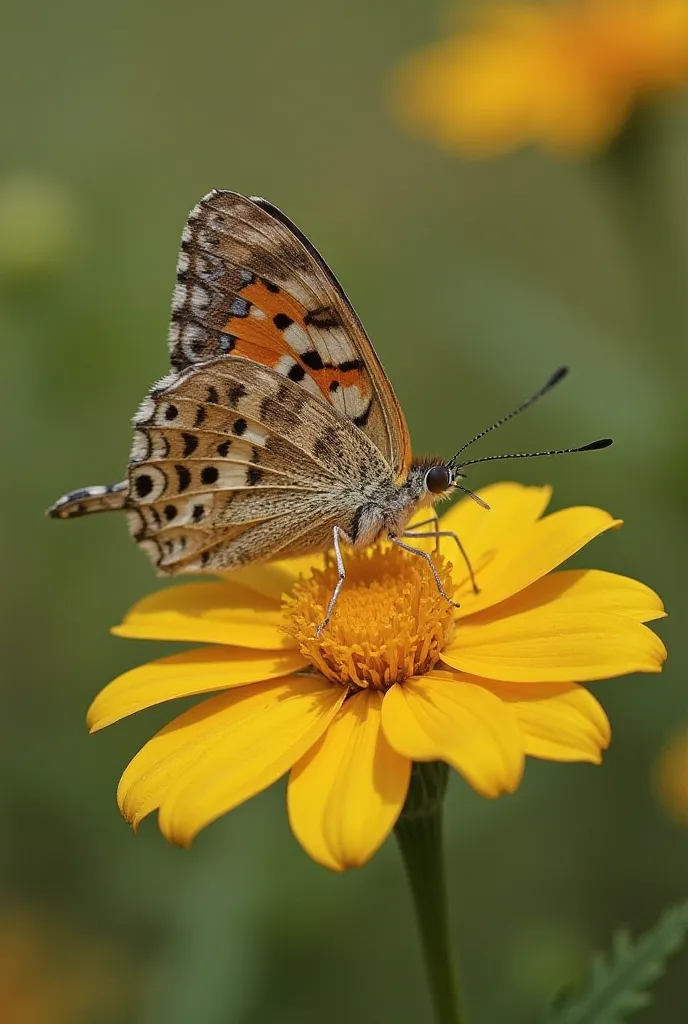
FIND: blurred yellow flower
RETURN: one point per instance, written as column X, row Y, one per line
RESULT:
column 671, row 776
column 398, row 676
column 566, row 75
column 46, row 978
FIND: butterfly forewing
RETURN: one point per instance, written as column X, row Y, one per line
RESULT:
column 249, row 283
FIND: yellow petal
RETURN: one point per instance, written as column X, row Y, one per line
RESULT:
column 513, row 507
column 592, row 590
column 225, row 750
column 558, row 721
column 439, row 717
column 187, row 674
column 547, row 645
column 215, row 613
column 483, row 533
column 273, row 579
column 533, row 553
column 347, row 792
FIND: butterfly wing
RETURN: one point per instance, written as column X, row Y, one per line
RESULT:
column 234, row 463
column 250, row 283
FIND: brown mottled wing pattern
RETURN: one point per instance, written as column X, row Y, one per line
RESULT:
column 249, row 283
column 233, row 463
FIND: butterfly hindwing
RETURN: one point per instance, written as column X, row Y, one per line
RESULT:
column 231, row 460
column 249, row 283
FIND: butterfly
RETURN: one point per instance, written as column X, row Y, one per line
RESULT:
column 277, row 432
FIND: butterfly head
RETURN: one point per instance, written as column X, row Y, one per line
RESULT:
column 439, row 479
column 432, row 478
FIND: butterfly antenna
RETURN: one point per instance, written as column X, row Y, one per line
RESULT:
column 554, row 379
column 604, row 442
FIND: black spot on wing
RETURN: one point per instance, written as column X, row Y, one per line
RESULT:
column 200, row 416
column 223, row 448
column 234, row 394
column 313, row 360
column 209, row 475
column 282, row 321
column 190, row 444
column 183, row 477
column 254, row 476
column 239, row 427
column 143, row 485
column 296, row 373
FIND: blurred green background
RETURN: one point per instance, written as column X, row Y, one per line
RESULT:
column 475, row 281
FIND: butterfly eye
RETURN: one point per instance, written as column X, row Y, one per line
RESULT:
column 438, row 479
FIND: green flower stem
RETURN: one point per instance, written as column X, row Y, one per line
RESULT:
column 419, row 833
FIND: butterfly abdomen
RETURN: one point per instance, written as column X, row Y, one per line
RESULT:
column 101, row 498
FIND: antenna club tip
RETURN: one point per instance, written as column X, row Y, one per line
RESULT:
column 603, row 442
column 558, row 375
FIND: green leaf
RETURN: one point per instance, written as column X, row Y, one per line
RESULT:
column 617, row 984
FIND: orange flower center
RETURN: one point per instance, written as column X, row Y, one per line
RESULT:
column 390, row 621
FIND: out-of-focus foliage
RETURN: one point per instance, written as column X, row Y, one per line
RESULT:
column 475, row 282
column 619, row 984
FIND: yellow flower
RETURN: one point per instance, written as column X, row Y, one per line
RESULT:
column 566, row 75
column 398, row 676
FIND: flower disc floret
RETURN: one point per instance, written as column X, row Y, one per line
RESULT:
column 390, row 623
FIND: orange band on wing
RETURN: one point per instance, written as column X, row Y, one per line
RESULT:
column 261, row 338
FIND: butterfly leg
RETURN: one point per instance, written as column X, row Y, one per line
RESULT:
column 433, row 521
column 445, row 533
column 337, row 533
column 428, row 559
